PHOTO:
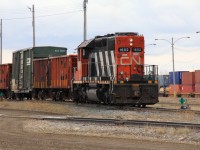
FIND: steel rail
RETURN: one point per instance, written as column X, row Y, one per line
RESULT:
column 166, row 109
column 125, row 122
column 106, row 121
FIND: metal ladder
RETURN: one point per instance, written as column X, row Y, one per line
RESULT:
column 21, row 70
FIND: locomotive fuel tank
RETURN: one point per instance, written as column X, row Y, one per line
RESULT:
column 91, row 92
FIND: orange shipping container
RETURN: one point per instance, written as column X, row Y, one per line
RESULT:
column 177, row 87
column 187, row 89
column 197, row 88
column 188, row 78
column 197, row 76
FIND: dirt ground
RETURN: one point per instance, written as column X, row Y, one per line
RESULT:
column 23, row 133
column 14, row 136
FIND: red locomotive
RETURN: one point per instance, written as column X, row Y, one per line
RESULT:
column 110, row 69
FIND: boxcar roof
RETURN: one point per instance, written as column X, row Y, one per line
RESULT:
column 24, row 49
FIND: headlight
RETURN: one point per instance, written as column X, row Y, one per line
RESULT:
column 121, row 72
column 126, row 78
column 131, row 40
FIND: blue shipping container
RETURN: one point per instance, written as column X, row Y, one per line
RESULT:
column 163, row 80
column 178, row 77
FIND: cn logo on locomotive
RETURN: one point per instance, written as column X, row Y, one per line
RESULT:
column 130, row 60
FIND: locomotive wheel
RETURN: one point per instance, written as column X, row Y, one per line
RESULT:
column 82, row 96
column 106, row 99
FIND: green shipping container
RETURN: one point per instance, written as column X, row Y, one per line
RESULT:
column 22, row 70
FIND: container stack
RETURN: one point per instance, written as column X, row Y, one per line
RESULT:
column 178, row 82
column 197, row 83
column 163, row 80
column 188, row 83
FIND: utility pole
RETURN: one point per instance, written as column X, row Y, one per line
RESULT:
column 33, row 25
column 172, row 44
column 33, row 11
column 33, row 22
column 1, row 43
column 85, row 19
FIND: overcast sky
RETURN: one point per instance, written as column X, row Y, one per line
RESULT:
column 60, row 23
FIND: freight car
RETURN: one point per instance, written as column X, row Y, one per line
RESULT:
column 22, row 68
column 5, row 78
column 111, row 70
column 52, row 77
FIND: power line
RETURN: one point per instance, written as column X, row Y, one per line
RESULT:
column 193, row 60
column 186, row 50
column 42, row 16
column 58, row 14
column 57, row 9
column 41, row 9
column 8, row 19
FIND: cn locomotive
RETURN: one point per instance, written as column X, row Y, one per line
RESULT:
column 111, row 70
column 107, row 69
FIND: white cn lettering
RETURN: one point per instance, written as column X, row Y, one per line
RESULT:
column 131, row 60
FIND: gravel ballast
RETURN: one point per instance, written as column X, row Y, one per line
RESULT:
column 179, row 135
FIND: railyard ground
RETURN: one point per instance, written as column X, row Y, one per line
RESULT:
column 28, row 133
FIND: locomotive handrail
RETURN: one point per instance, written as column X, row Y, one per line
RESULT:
column 150, row 71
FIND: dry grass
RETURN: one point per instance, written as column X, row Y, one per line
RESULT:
column 173, row 103
column 176, row 100
column 182, row 131
column 170, row 131
column 35, row 106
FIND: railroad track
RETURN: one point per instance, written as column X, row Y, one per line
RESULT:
column 101, row 121
column 166, row 110
column 126, row 122
column 128, row 108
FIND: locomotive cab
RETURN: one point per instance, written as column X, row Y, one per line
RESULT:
column 111, row 70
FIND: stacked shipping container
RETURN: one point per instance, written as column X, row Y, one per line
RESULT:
column 163, row 80
column 197, row 83
column 178, row 82
column 188, row 82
